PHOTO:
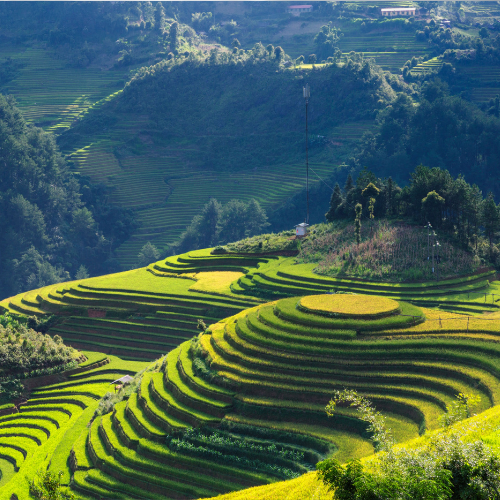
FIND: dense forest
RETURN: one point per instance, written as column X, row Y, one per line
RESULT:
column 53, row 227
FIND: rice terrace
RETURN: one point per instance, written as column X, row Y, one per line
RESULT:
column 250, row 250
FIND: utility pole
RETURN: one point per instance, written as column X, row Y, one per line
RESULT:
column 307, row 95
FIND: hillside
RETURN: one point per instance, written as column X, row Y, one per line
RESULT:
column 125, row 103
column 166, row 333
column 262, row 375
column 247, row 135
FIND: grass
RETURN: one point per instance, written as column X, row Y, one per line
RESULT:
column 47, row 427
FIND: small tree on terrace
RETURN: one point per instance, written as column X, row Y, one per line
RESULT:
column 148, row 254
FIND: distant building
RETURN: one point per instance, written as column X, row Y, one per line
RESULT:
column 399, row 11
column 301, row 229
column 296, row 10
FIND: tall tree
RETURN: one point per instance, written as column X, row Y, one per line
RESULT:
column 335, row 201
column 390, row 197
column 256, row 218
column 357, row 222
column 148, row 254
column 207, row 223
column 232, row 221
column 432, row 205
column 159, row 17
column 490, row 218
column 174, row 35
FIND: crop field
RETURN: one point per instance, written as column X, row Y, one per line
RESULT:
column 51, row 94
column 433, row 64
column 42, row 431
column 246, row 399
column 309, row 487
column 389, row 49
column 280, row 366
column 136, row 314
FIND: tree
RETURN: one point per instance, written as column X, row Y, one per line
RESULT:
column 270, row 49
column 232, row 222
column 327, row 41
column 349, row 184
column 256, row 218
column 311, row 59
column 483, row 32
column 46, row 485
column 148, row 254
column 490, row 218
column 432, row 206
column 335, row 201
column 390, row 197
column 173, row 35
column 380, row 435
column 236, row 43
column 370, row 192
column 279, row 54
column 357, row 222
column 159, row 17
column 208, row 222
column 82, row 273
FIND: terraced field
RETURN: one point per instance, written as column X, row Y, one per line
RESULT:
column 42, row 431
column 276, row 366
column 245, row 400
column 51, row 94
column 165, row 192
column 143, row 313
column 422, row 68
column 136, row 314
column 309, row 487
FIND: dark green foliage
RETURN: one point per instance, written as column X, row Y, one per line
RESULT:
column 357, row 222
column 224, row 224
column 450, row 470
column 159, row 17
column 201, row 21
column 445, row 132
column 335, row 202
column 173, row 36
column 432, row 206
column 432, row 195
column 10, row 389
column 326, row 42
column 47, row 231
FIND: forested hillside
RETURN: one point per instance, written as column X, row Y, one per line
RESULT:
column 158, row 108
column 49, row 233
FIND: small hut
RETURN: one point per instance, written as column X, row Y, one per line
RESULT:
column 301, row 229
column 121, row 382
